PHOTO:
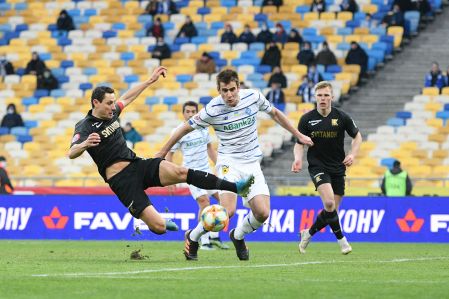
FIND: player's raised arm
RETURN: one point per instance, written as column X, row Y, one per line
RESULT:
column 129, row 96
column 175, row 137
column 78, row 149
column 282, row 119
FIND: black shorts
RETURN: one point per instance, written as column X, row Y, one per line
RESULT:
column 130, row 184
column 320, row 176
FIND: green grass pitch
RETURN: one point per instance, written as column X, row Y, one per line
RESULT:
column 86, row 269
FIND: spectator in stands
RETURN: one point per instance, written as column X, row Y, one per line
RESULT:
column 205, row 64
column 156, row 29
column 275, row 95
column 356, row 55
column 131, row 134
column 272, row 2
column 349, row 5
column 188, row 29
column 425, row 10
column 47, row 81
column 35, row 66
column 393, row 18
column 272, row 56
column 12, row 118
column 294, row 37
column 318, row 6
column 368, row 22
column 277, row 76
column 5, row 183
column 228, row 36
column 306, row 55
column 396, row 181
column 446, row 77
column 280, row 36
column 306, row 90
column 65, row 21
column 326, row 56
column 313, row 74
column 435, row 77
column 162, row 50
column 404, row 5
column 247, row 36
column 265, row 35
column 6, row 67
column 156, row 7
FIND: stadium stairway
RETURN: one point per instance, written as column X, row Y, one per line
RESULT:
column 382, row 96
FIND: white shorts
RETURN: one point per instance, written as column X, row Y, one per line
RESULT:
column 197, row 192
column 234, row 172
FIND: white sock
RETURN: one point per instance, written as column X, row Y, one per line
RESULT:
column 248, row 225
column 204, row 239
column 214, row 235
column 197, row 232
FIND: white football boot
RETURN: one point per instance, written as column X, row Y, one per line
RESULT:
column 344, row 245
column 305, row 239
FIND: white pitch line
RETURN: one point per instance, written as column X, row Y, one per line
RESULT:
column 112, row 274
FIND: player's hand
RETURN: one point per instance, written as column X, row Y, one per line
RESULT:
column 160, row 155
column 306, row 140
column 92, row 140
column 297, row 166
column 349, row 159
column 160, row 70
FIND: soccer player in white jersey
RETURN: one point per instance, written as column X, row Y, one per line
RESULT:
column 196, row 147
column 233, row 116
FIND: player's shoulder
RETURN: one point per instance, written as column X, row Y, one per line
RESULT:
column 249, row 94
column 310, row 114
column 339, row 112
column 83, row 124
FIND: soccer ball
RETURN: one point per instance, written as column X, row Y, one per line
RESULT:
column 214, row 218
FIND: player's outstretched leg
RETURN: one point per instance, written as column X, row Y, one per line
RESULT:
column 244, row 185
column 240, row 247
column 190, row 247
column 171, row 226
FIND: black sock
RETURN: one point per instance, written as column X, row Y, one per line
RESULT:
column 208, row 181
column 319, row 223
column 334, row 222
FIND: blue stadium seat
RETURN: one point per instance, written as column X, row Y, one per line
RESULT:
column 395, row 122
column 205, row 100
column 387, row 162
column 359, row 16
column 109, row 34
column 169, row 101
column 446, row 107
column 444, row 115
column 404, row 114
column 90, row 12
column 183, row 78
column 64, row 41
column 259, row 84
column 217, row 25
column 168, row 26
column 309, row 31
column 344, row 31
column 5, row 27
column 152, row 100
column 198, row 40
column 67, row 63
column 201, row 25
column 19, row 131
column 412, row 21
column 4, row 131
column 78, row 20
column 228, row 3
column 127, row 56
column 118, row 26
column 181, row 40
column 302, row 9
column 45, row 56
column 248, row 54
column 328, row 76
column 263, row 69
column 144, row 19
column 21, row 27
column 27, row 101
column 74, row 12
column 57, row 93
column 215, row 54
column 62, row 79
column 10, row 35
column 21, row 6
column 175, row 47
column 254, row 77
column 31, row 124
column 260, row 17
column 344, row 46
column 24, row 138
column 334, row 68
column 389, row 41
column 257, row 46
column 353, row 23
column 39, row 93
column 85, row 86
column 221, row 62
column 5, row 6
column 52, row 27
column 203, row 11
column 131, row 78
column 89, row 71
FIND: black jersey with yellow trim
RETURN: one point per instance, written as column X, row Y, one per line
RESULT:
column 328, row 135
column 112, row 147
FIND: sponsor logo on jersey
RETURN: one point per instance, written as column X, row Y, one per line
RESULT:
column 248, row 111
column 324, row 134
column 314, row 122
column 246, row 122
column 335, row 122
column 97, row 124
column 76, row 137
column 225, row 169
column 110, row 129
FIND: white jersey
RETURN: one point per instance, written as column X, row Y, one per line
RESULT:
column 236, row 127
column 194, row 149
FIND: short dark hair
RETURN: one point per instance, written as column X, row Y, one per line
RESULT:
column 226, row 77
column 99, row 92
column 189, row 103
column 396, row 163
